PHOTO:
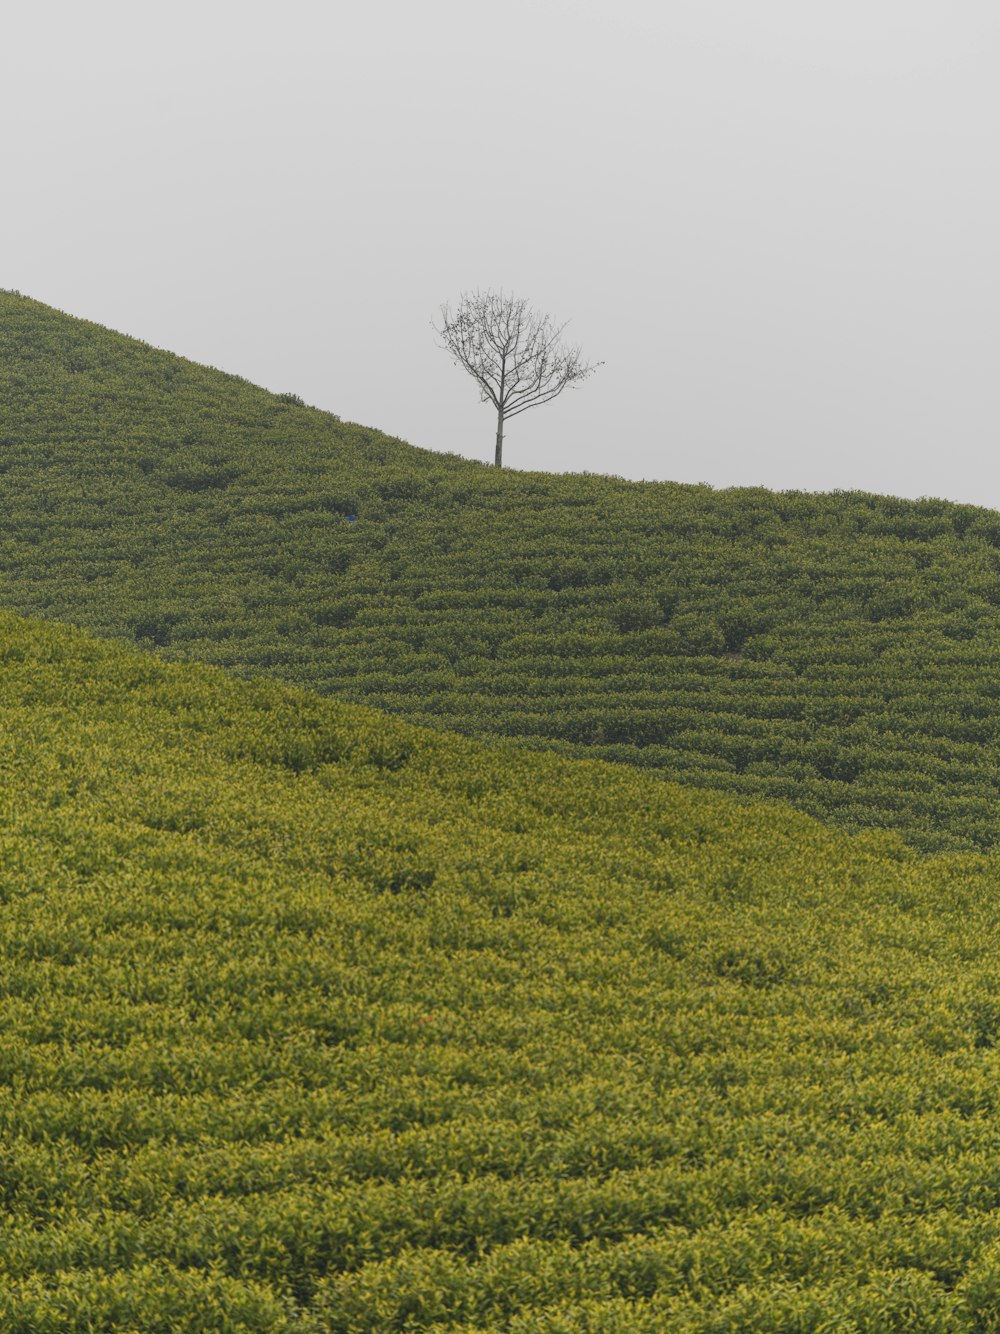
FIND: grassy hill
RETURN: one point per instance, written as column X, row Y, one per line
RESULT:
column 836, row 651
column 313, row 1020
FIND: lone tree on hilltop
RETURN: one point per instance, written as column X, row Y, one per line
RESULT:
column 515, row 356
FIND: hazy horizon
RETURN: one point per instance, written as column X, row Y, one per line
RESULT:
column 774, row 224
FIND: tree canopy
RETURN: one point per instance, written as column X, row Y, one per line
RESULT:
column 515, row 355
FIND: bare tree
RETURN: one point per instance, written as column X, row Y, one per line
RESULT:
column 515, row 356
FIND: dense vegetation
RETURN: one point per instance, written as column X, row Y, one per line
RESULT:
column 313, row 1020
column 838, row 651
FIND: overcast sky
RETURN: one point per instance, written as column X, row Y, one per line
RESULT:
column 776, row 221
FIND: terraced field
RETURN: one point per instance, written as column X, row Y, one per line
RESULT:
column 836, row 651
column 313, row 1020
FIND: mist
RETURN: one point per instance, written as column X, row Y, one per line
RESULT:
column 774, row 224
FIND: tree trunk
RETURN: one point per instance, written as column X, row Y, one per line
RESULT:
column 499, row 454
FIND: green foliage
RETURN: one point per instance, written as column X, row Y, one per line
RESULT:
column 313, row 1020
column 835, row 651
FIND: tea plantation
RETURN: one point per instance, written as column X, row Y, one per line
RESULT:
column 313, row 1020
column 840, row 652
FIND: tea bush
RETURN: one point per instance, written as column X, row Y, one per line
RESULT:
column 835, row 651
column 311, row 1019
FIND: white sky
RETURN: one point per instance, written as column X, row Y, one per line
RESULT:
column 776, row 221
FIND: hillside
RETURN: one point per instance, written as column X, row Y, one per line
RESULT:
column 313, row 1020
column 836, row 651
